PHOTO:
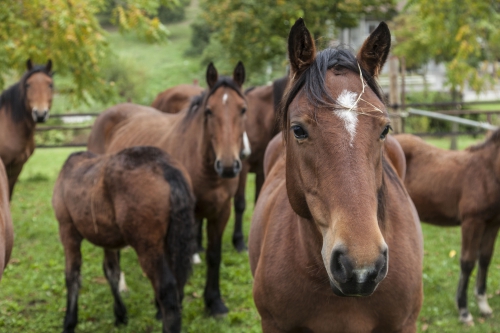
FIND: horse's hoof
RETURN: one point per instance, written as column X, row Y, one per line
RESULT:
column 121, row 321
column 239, row 245
column 484, row 307
column 196, row 259
column 217, row 309
column 466, row 318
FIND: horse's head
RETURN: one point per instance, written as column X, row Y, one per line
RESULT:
column 334, row 125
column 38, row 88
column 225, row 109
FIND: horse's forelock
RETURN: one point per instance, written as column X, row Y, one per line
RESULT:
column 312, row 81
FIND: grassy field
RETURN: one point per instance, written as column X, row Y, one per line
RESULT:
column 32, row 292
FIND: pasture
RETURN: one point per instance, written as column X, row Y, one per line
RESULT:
column 32, row 292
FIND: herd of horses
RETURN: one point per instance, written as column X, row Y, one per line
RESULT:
column 335, row 243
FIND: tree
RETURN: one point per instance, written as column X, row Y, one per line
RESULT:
column 255, row 31
column 68, row 32
column 463, row 35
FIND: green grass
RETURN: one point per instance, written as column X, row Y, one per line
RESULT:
column 32, row 291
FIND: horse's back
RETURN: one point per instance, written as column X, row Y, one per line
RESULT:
column 6, row 228
column 109, row 121
column 176, row 98
column 275, row 150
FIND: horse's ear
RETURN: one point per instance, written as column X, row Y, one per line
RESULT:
column 48, row 67
column 375, row 49
column 212, row 75
column 239, row 74
column 301, row 48
column 29, row 65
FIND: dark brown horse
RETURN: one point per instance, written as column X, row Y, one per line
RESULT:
column 333, row 219
column 260, row 126
column 459, row 188
column 22, row 106
column 6, row 229
column 138, row 197
column 206, row 139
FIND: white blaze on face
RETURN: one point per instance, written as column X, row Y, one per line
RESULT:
column 348, row 100
column 224, row 99
column 247, row 150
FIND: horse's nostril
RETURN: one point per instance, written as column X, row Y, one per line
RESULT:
column 341, row 266
column 237, row 166
column 218, row 166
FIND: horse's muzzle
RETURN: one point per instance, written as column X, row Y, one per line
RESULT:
column 351, row 281
column 228, row 171
column 40, row 116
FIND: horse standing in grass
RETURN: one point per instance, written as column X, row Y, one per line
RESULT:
column 138, row 197
column 459, row 188
column 260, row 126
column 6, row 229
column 22, row 106
column 333, row 219
column 206, row 138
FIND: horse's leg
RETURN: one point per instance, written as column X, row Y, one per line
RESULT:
column 259, row 181
column 199, row 241
column 71, row 240
column 239, row 209
column 485, row 254
column 472, row 233
column 215, row 228
column 155, row 266
column 13, row 172
column 269, row 326
column 111, row 267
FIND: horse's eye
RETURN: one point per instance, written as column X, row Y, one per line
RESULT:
column 385, row 132
column 243, row 110
column 208, row 112
column 299, row 132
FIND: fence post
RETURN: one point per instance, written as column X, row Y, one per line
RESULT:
column 454, row 131
column 393, row 93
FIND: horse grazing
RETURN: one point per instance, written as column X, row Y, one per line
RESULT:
column 459, row 188
column 137, row 197
column 206, row 138
column 333, row 211
column 22, row 106
column 6, row 229
column 260, row 126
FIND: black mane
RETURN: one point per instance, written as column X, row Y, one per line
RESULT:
column 493, row 139
column 197, row 101
column 13, row 99
column 312, row 81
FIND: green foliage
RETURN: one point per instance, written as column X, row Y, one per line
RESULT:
column 172, row 14
column 464, row 35
column 256, row 31
column 69, row 33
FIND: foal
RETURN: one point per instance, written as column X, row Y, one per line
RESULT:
column 459, row 188
column 333, row 211
column 137, row 197
column 22, row 106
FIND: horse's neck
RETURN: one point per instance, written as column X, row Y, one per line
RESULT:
column 193, row 142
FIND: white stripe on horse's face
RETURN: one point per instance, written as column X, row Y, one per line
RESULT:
column 247, row 150
column 224, row 99
column 348, row 100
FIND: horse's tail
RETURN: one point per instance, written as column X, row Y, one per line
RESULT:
column 180, row 238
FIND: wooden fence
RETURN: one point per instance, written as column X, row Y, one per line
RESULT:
column 397, row 112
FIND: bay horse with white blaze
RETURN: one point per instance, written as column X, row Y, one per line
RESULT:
column 137, row 197
column 260, row 125
column 22, row 106
column 6, row 228
column 459, row 188
column 333, row 219
column 206, row 138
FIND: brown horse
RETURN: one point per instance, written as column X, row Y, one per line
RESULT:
column 206, row 139
column 260, row 126
column 138, row 197
column 6, row 229
column 22, row 106
column 459, row 188
column 333, row 211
